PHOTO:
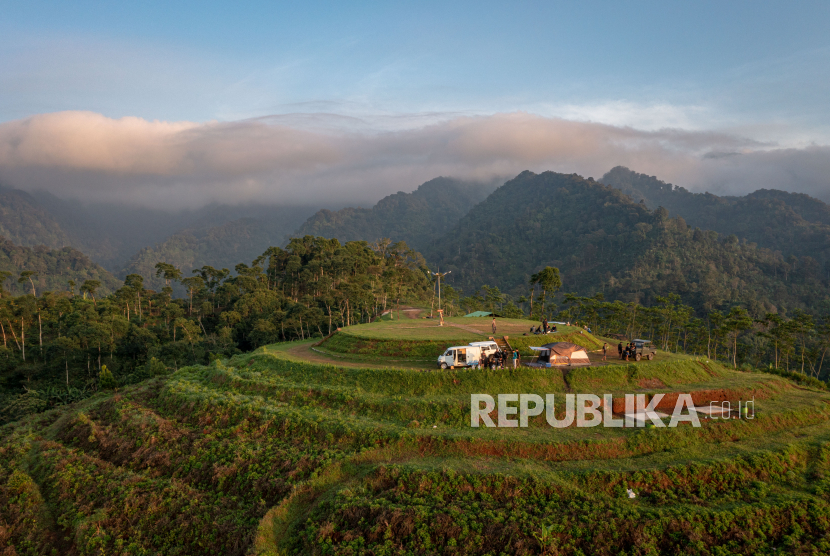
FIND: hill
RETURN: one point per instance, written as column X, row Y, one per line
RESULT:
column 24, row 222
column 265, row 454
column 222, row 246
column 111, row 235
column 602, row 241
column 419, row 217
column 792, row 223
column 55, row 267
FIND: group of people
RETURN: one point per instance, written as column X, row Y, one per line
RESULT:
column 627, row 351
column 500, row 359
column 545, row 328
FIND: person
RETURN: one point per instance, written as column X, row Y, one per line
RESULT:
column 604, row 350
column 619, row 349
column 494, row 325
column 554, row 328
column 627, row 351
column 545, row 325
column 515, row 358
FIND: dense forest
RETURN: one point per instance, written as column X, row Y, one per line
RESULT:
column 57, row 270
column 602, row 241
column 62, row 345
column 791, row 223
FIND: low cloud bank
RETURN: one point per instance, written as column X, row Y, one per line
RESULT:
column 184, row 164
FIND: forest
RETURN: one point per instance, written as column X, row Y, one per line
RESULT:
column 62, row 346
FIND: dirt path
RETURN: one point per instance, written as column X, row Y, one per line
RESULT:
column 307, row 353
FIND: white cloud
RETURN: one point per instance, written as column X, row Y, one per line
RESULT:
column 333, row 159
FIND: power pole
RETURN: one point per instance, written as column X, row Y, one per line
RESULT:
column 440, row 275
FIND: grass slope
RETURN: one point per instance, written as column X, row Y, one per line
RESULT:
column 264, row 454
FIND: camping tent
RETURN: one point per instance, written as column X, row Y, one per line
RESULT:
column 560, row 353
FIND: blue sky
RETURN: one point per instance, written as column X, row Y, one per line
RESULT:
column 719, row 63
column 755, row 70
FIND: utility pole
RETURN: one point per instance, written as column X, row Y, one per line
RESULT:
column 440, row 311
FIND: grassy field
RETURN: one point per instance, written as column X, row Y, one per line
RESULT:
column 271, row 453
column 425, row 339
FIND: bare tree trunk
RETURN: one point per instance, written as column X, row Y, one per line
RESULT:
column 40, row 332
column 23, row 338
column 3, row 328
column 11, row 327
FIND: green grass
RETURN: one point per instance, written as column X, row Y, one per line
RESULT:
column 266, row 453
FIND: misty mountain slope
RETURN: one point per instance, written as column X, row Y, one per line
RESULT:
column 225, row 246
column 113, row 234
column 793, row 223
column 602, row 241
column 55, row 267
column 418, row 218
column 24, row 222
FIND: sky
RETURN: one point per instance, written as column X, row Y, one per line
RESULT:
column 178, row 104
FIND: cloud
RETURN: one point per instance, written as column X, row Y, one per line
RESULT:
column 328, row 159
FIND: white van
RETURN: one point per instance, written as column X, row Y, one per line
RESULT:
column 487, row 348
column 460, row 356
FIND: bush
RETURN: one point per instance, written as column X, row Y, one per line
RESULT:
column 105, row 379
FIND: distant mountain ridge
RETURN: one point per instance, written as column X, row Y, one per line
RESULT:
column 54, row 267
column 605, row 242
column 792, row 223
column 224, row 246
column 419, row 217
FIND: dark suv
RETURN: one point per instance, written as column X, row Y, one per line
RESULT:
column 644, row 348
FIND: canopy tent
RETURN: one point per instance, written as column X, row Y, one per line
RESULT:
column 482, row 314
column 561, row 353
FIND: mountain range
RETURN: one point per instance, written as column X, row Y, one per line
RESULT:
column 628, row 235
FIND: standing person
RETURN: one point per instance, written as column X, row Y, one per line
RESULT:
column 494, row 325
column 545, row 325
column 604, row 350
column 515, row 358
column 619, row 349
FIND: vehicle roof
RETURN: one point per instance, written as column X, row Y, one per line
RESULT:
column 484, row 343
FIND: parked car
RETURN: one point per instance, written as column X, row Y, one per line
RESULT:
column 644, row 348
column 488, row 348
column 460, row 356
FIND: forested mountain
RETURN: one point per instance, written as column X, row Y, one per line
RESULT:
column 24, row 222
column 792, row 223
column 418, row 218
column 602, row 241
column 115, row 235
column 54, row 268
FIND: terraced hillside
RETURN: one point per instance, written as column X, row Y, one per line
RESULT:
column 265, row 454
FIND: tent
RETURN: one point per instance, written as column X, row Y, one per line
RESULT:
column 560, row 354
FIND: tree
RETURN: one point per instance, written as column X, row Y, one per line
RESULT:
column 737, row 321
column 169, row 272
column 193, row 284
column 27, row 275
column 549, row 280
column 90, row 287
